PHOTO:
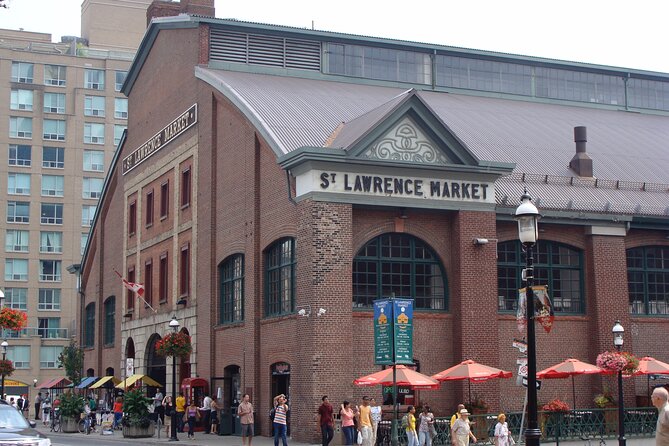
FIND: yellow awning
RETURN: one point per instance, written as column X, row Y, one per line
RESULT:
column 132, row 379
column 14, row 383
column 104, row 380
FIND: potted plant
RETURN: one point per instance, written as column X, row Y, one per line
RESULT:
column 12, row 319
column 552, row 411
column 605, row 403
column 614, row 361
column 136, row 422
column 71, row 407
column 6, row 367
column 174, row 344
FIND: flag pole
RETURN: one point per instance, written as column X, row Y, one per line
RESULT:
column 125, row 283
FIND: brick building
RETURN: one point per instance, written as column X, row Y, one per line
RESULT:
column 274, row 181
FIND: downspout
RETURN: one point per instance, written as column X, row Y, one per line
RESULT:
column 290, row 195
column 625, row 79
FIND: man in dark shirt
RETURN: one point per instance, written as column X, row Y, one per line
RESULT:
column 326, row 421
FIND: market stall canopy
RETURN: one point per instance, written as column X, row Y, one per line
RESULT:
column 404, row 377
column 134, row 379
column 86, row 382
column 55, row 383
column 106, row 382
column 569, row 368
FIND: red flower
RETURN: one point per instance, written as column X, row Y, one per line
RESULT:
column 555, row 405
column 12, row 319
column 6, row 367
column 174, row 344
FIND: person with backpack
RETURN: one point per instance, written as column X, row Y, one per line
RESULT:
column 409, row 424
column 280, row 420
column 347, row 425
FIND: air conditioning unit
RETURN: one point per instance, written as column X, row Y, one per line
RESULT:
column 96, row 112
column 53, row 109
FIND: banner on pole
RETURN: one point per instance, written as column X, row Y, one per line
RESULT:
column 543, row 308
column 403, row 330
column 383, row 332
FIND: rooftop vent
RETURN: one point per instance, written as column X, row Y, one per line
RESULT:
column 581, row 163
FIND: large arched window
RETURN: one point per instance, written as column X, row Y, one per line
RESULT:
column 110, row 320
column 648, row 280
column 89, row 325
column 280, row 278
column 231, row 275
column 402, row 265
column 558, row 266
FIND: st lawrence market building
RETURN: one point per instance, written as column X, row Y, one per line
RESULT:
column 274, row 182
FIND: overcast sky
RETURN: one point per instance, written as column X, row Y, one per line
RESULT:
column 630, row 34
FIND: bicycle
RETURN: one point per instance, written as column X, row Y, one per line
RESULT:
column 587, row 439
column 85, row 425
column 55, row 420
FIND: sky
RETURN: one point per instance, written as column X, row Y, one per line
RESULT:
column 604, row 32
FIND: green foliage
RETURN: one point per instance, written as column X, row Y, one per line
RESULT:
column 72, row 360
column 136, row 408
column 71, row 405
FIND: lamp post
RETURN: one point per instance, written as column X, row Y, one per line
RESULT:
column 174, row 325
column 528, row 216
column 4, row 346
column 618, row 332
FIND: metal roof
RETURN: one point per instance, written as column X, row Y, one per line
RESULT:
column 625, row 147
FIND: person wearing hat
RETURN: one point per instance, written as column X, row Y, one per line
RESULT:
column 461, row 431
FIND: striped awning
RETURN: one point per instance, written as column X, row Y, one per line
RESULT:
column 86, row 382
column 106, row 381
column 55, row 383
column 133, row 379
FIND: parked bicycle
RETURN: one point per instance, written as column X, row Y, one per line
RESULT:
column 55, row 420
column 85, row 425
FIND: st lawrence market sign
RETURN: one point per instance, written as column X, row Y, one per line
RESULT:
column 175, row 128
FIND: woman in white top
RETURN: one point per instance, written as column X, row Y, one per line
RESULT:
column 376, row 415
column 461, row 431
column 502, row 434
column 425, row 420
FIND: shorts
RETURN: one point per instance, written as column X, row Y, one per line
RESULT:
column 247, row 430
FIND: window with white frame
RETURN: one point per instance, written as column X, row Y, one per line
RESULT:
column 119, row 79
column 21, row 100
column 16, row 240
column 18, row 183
column 121, row 108
column 92, row 187
column 53, row 185
column 87, row 214
column 94, row 106
column 118, row 133
column 49, row 299
column 54, row 103
column 53, row 157
column 48, row 356
column 18, row 212
column 51, row 214
column 22, row 72
column 51, row 242
column 94, row 160
column 54, row 130
column 94, row 79
column 55, row 75
column 16, row 298
column 20, row 155
column 49, row 270
column 94, row 133
column 16, row 270
column 20, row 127
column 84, row 241
column 19, row 355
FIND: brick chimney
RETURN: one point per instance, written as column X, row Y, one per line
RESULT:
column 581, row 163
column 167, row 8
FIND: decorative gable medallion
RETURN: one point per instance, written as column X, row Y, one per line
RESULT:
column 406, row 142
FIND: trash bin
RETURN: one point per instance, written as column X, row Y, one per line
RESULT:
column 225, row 427
column 339, row 438
column 237, row 425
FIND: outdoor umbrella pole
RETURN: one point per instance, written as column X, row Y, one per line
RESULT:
column 573, row 391
column 469, row 384
column 393, row 427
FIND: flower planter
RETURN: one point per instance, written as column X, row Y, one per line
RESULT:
column 69, row 425
column 139, row 432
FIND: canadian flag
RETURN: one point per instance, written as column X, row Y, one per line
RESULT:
column 137, row 288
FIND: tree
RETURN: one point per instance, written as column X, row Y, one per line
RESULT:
column 72, row 360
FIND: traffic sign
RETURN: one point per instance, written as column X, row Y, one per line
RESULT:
column 522, row 360
column 522, row 370
column 538, row 383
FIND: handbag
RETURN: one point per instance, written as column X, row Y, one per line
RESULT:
column 511, row 440
column 359, row 437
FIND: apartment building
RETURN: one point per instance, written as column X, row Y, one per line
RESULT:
column 63, row 116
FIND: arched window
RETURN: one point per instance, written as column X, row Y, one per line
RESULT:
column 648, row 280
column 89, row 325
column 399, row 264
column 556, row 265
column 231, row 275
column 110, row 320
column 280, row 278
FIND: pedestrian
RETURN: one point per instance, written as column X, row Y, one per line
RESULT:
column 46, row 410
column 660, row 399
column 347, row 425
column 461, row 430
column 38, row 405
column 456, row 415
column 245, row 413
column 412, row 435
column 205, row 412
column 19, row 403
column 193, row 416
column 326, row 421
column 377, row 414
column 214, row 416
column 168, row 409
column 180, row 405
column 158, row 405
column 118, row 412
column 280, row 419
column 364, row 418
column 425, row 423
column 502, row 434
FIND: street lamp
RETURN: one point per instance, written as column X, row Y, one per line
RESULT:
column 528, row 216
column 618, row 332
column 174, row 325
column 4, row 346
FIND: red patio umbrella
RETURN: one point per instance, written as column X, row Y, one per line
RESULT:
column 471, row 371
column 404, row 377
column 569, row 368
column 651, row 366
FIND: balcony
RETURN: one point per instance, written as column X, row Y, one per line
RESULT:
column 46, row 333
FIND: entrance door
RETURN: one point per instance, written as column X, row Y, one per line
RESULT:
column 280, row 384
column 155, row 365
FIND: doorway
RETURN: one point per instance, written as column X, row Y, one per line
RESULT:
column 280, row 384
column 155, row 365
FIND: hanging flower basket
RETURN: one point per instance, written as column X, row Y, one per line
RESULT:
column 6, row 367
column 12, row 319
column 174, row 344
column 555, row 405
column 618, row 362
